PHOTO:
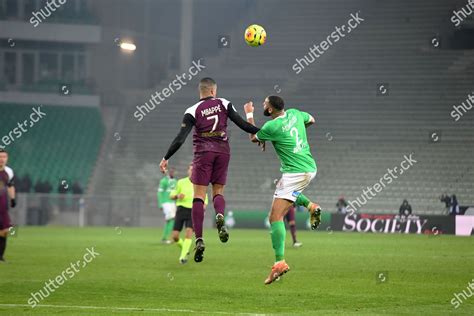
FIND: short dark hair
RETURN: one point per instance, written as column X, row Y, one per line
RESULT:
column 206, row 83
column 276, row 102
column 3, row 151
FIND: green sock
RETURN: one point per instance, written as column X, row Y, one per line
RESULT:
column 167, row 229
column 278, row 239
column 186, row 245
column 170, row 227
column 180, row 243
column 302, row 200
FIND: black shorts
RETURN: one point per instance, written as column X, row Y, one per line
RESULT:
column 183, row 218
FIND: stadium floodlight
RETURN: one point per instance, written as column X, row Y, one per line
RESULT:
column 128, row 46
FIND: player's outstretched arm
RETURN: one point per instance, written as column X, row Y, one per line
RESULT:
column 186, row 127
column 249, row 109
column 240, row 122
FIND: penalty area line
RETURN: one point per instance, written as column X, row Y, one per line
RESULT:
column 141, row 309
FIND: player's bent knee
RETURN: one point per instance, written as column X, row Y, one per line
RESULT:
column 217, row 189
column 276, row 217
column 199, row 199
column 189, row 233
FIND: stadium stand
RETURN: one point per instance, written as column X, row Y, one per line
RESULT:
column 359, row 133
column 60, row 152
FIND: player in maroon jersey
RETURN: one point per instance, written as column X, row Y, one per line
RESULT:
column 211, row 154
column 290, row 217
column 6, row 190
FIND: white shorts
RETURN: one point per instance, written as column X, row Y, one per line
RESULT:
column 292, row 184
column 170, row 210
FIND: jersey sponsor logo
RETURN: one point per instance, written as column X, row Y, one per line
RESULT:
column 213, row 134
column 212, row 110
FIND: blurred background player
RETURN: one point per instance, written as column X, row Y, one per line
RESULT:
column 341, row 205
column 211, row 155
column 405, row 208
column 291, row 220
column 287, row 132
column 183, row 194
column 166, row 204
column 7, row 190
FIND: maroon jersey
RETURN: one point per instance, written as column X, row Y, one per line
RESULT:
column 6, row 180
column 210, row 126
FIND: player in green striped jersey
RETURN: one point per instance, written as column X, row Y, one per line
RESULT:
column 287, row 132
column 166, row 204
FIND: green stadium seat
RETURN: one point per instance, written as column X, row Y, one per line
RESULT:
column 62, row 145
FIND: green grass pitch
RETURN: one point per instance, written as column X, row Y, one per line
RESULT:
column 333, row 273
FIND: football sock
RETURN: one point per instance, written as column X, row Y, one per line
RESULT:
column 186, row 245
column 170, row 227
column 278, row 239
column 302, row 200
column 3, row 245
column 197, row 214
column 293, row 232
column 219, row 204
column 180, row 243
column 167, row 229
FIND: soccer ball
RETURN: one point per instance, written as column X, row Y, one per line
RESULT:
column 255, row 35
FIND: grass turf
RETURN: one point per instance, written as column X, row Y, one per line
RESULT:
column 333, row 273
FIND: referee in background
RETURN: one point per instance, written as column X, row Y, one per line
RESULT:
column 7, row 190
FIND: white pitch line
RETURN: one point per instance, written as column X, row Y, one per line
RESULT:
column 128, row 309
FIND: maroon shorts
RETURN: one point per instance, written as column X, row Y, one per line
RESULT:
column 210, row 167
column 290, row 216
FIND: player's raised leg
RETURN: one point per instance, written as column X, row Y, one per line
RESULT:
column 197, row 215
column 278, row 235
column 313, row 209
column 218, row 180
column 219, row 207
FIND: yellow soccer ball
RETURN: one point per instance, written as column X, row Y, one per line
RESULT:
column 255, row 35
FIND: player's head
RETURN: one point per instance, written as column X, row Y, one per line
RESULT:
column 273, row 104
column 207, row 88
column 171, row 172
column 3, row 157
column 190, row 170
